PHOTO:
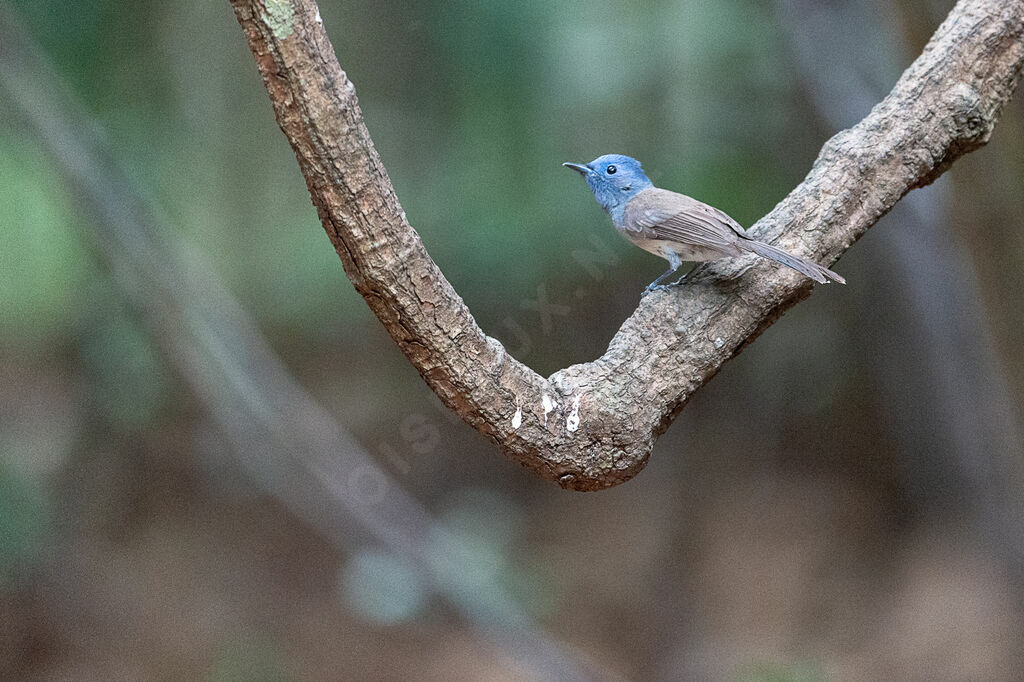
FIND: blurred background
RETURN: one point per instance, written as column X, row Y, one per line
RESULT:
column 214, row 463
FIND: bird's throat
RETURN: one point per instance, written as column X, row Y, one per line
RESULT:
column 618, row 213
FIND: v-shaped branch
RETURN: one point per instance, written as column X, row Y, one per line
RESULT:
column 593, row 425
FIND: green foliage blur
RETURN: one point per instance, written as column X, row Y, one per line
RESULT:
column 473, row 106
column 796, row 523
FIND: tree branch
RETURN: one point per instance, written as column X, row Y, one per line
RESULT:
column 593, row 425
column 280, row 435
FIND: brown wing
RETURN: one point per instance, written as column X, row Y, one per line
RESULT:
column 664, row 215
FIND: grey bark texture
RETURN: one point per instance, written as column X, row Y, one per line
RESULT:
column 593, row 425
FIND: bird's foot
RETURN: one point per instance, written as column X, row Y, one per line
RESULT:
column 653, row 287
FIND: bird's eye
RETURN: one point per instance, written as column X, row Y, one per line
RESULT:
column 611, row 170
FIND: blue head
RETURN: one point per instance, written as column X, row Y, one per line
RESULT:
column 614, row 179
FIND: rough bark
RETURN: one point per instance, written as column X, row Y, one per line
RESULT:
column 593, row 425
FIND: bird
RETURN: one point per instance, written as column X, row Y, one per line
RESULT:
column 674, row 226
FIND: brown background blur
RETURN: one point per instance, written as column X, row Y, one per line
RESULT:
column 843, row 501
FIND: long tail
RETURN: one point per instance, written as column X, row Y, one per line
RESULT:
column 816, row 272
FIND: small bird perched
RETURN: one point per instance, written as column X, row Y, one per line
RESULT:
column 674, row 226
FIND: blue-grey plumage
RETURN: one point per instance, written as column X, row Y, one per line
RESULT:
column 674, row 226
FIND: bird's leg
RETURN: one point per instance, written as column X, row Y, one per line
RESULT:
column 655, row 283
column 681, row 277
column 674, row 262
